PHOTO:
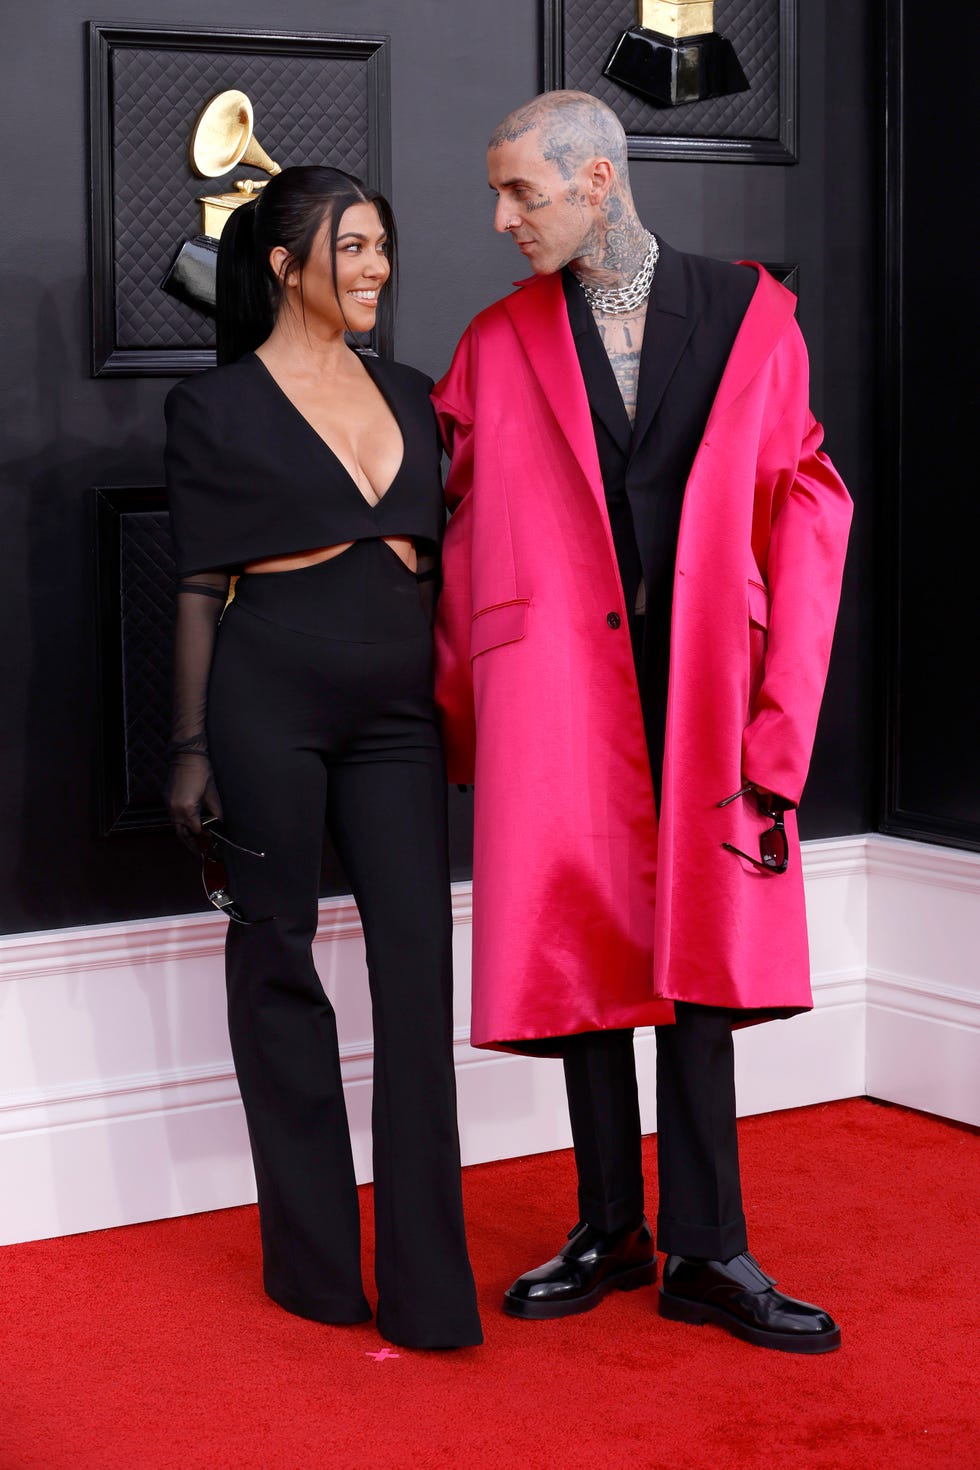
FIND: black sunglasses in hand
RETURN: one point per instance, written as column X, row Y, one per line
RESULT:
column 213, row 874
column 773, row 843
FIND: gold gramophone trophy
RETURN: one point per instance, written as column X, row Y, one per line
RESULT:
column 223, row 137
column 674, row 54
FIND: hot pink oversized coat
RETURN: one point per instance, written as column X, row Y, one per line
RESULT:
column 584, row 915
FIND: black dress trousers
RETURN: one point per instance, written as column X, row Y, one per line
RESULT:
column 700, row 1202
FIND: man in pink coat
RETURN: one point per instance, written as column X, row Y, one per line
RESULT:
column 641, row 579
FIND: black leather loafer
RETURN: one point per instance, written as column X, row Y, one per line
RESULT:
column 577, row 1279
column 738, row 1296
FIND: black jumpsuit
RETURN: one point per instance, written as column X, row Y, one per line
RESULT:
column 320, row 711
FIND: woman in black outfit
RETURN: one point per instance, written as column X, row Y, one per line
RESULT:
column 315, row 475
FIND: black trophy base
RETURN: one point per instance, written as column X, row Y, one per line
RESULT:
column 192, row 278
column 670, row 70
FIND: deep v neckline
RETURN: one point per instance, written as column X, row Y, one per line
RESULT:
column 328, row 447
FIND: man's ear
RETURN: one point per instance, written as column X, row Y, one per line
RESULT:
column 601, row 176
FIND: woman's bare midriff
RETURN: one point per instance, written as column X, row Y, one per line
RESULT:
column 402, row 546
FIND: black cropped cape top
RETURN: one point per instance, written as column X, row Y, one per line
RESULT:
column 248, row 477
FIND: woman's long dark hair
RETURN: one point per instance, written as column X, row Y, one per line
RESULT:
column 288, row 212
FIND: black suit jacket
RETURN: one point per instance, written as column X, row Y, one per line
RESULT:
column 695, row 309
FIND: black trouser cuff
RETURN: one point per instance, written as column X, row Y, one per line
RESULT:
column 702, row 1242
column 608, row 1216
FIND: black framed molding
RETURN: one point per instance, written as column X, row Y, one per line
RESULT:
column 321, row 99
column 754, row 126
column 137, row 607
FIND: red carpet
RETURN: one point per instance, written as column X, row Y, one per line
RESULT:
column 153, row 1347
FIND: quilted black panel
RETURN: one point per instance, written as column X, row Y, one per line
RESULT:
column 317, row 98
column 307, row 110
column 136, row 599
column 146, row 609
column 752, row 26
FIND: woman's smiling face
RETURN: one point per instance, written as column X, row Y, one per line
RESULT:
column 362, row 270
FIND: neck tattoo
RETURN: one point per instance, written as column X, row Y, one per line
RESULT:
column 621, row 299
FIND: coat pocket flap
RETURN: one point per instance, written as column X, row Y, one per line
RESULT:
column 505, row 622
column 758, row 604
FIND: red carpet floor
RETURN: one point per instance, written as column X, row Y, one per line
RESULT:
column 153, row 1347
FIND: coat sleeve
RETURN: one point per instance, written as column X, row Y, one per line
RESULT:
column 454, row 615
column 811, row 516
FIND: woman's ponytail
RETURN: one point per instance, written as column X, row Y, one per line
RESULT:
column 244, row 308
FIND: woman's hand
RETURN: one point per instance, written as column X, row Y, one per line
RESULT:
column 190, row 787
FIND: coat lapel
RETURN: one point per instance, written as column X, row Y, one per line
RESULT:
column 600, row 381
column 538, row 313
column 669, row 325
column 770, row 309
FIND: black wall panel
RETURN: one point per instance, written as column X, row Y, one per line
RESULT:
column 455, row 69
column 147, row 85
column 930, row 510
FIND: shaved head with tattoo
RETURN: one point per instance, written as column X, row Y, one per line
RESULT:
column 558, row 166
column 577, row 126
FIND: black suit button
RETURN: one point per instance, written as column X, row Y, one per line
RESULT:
column 613, row 619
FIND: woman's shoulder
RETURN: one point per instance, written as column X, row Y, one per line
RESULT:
column 213, row 387
column 398, row 373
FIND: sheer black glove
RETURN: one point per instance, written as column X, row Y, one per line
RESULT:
column 190, row 784
column 189, row 790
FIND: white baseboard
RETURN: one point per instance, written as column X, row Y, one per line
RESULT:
column 923, row 978
column 119, row 1100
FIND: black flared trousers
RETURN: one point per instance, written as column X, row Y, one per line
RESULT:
column 320, row 712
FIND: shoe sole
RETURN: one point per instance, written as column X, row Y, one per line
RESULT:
column 542, row 1311
column 677, row 1309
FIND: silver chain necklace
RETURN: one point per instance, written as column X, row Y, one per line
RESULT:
column 626, row 298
